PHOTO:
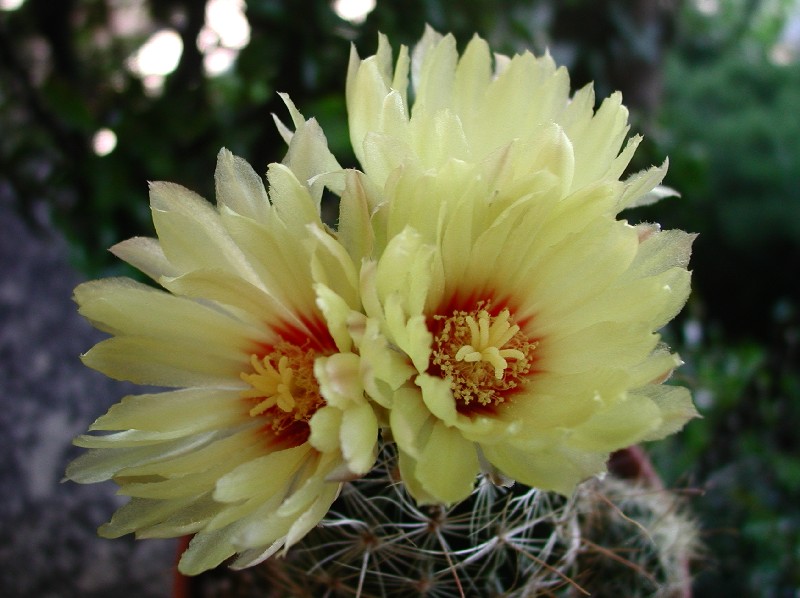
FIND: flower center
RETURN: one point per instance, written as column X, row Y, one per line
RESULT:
column 484, row 356
column 284, row 390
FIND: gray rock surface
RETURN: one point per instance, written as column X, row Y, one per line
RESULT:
column 48, row 542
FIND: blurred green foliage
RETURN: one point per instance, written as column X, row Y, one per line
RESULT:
column 728, row 122
column 730, row 126
column 704, row 87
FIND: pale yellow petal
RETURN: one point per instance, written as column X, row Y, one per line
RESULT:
column 191, row 233
column 384, row 368
column 291, row 197
column 248, row 302
column 186, row 410
column 367, row 85
column 125, row 307
column 359, row 437
column 145, row 254
column 552, row 151
column 244, row 441
column 165, row 363
column 472, row 77
column 217, row 463
column 99, row 465
column 405, row 270
column 438, row 139
column 302, row 497
column 447, row 465
column 308, row 157
column 239, row 188
column 206, row 551
column 325, row 426
column 410, row 335
column 621, row 162
column 355, row 209
column 238, row 514
column 407, row 466
column 530, row 91
column 141, row 513
column 411, row 422
column 183, row 522
column 640, row 184
column 263, row 476
column 624, row 345
column 600, row 141
column 312, row 516
column 579, row 111
column 253, row 556
column 269, row 529
column 557, row 469
column 675, row 405
column 337, row 315
column 339, row 377
column 621, row 422
column 430, row 57
column 126, row 439
column 661, row 251
column 278, row 258
column 565, row 408
column 331, row 265
column 383, row 156
column 438, row 398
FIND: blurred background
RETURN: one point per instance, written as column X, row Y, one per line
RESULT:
column 99, row 96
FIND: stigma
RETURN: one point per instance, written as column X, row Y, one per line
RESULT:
column 487, row 336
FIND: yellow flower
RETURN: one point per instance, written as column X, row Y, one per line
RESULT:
column 511, row 118
column 513, row 317
column 268, row 415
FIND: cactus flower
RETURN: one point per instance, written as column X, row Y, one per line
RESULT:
column 526, row 312
column 267, row 415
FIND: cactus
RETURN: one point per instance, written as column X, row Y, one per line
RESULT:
column 611, row 538
column 638, row 540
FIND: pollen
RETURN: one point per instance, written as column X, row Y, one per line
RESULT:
column 283, row 389
column 484, row 356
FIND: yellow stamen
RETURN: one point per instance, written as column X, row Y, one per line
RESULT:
column 483, row 356
column 283, row 384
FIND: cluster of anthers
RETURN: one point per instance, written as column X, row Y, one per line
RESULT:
column 485, row 356
column 284, row 388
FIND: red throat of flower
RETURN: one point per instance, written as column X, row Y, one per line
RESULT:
column 483, row 353
column 283, row 391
